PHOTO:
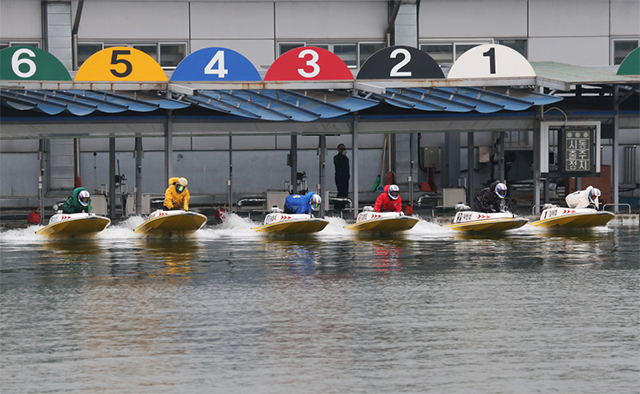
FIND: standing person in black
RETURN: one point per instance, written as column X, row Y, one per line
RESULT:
column 341, row 163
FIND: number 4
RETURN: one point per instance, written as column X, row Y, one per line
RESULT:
column 220, row 71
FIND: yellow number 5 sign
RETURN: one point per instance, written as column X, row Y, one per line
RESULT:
column 120, row 64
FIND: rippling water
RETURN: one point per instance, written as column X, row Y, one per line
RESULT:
column 231, row 311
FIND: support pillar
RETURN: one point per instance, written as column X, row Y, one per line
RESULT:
column 293, row 162
column 354, row 165
column 470, row 166
column 615, row 173
column 137, row 154
column 112, row 178
column 321, row 164
column 230, row 180
column 168, row 147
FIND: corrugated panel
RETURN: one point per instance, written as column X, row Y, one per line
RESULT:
column 279, row 105
column 84, row 102
column 463, row 99
column 276, row 105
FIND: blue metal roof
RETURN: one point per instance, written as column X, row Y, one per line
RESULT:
column 464, row 99
column 276, row 105
column 84, row 102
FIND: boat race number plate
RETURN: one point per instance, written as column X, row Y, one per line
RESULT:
column 308, row 64
column 29, row 63
column 217, row 65
column 576, row 150
column 119, row 64
column 484, row 61
column 400, row 62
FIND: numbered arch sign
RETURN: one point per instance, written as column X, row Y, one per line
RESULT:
column 631, row 64
column 29, row 63
column 400, row 62
column 119, row 64
column 486, row 61
column 217, row 65
column 308, row 64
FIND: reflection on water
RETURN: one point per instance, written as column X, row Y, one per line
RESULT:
column 228, row 310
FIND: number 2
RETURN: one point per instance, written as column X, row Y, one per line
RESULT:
column 313, row 63
column 407, row 58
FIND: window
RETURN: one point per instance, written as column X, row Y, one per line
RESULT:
column 441, row 53
column 352, row 54
column 168, row 55
column 621, row 48
column 518, row 45
column 366, row 49
column 445, row 53
column 6, row 44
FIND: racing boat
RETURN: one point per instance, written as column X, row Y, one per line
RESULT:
column 470, row 221
column 278, row 222
column 556, row 217
column 172, row 222
column 72, row 224
column 382, row 222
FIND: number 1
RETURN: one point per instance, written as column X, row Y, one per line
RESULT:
column 491, row 53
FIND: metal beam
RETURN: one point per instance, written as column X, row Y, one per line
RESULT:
column 355, row 171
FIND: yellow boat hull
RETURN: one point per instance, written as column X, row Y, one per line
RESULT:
column 305, row 226
column 575, row 221
column 70, row 227
column 172, row 222
column 385, row 225
column 489, row 225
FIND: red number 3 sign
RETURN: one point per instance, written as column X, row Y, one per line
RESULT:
column 308, row 64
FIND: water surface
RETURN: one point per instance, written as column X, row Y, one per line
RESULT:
column 230, row 310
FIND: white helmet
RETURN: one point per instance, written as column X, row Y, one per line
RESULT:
column 501, row 190
column 181, row 185
column 315, row 202
column 393, row 189
column 83, row 194
column 594, row 194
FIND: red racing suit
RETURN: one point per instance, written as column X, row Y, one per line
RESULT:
column 384, row 203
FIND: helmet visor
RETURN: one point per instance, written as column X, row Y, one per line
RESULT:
column 315, row 205
column 180, row 188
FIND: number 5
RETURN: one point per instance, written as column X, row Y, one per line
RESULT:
column 115, row 60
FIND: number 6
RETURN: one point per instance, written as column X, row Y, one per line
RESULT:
column 16, row 62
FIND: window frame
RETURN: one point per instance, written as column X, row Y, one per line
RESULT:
column 157, row 44
column 454, row 43
column 329, row 45
column 612, row 55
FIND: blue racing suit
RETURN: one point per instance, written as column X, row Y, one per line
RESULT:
column 298, row 204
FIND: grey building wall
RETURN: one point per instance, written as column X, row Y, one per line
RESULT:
column 570, row 31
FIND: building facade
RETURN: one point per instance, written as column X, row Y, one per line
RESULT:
column 593, row 33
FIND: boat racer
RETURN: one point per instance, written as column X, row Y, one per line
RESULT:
column 490, row 199
column 587, row 198
column 79, row 201
column 307, row 203
column 177, row 195
column 389, row 200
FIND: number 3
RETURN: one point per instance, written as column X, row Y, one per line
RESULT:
column 313, row 63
